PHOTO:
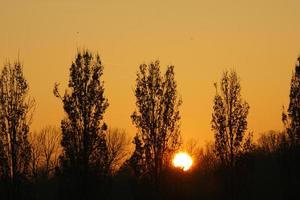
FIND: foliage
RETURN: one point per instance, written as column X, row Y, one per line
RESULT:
column 291, row 119
column 85, row 151
column 15, row 116
column 156, row 118
column 229, row 118
column 16, row 110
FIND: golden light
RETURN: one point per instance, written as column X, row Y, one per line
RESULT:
column 183, row 160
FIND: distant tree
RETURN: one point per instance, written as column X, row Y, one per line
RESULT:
column 229, row 118
column 207, row 158
column 156, row 118
column 16, row 110
column 291, row 118
column 118, row 148
column 51, row 149
column 85, row 152
column 270, row 142
column 193, row 148
column 45, row 151
column 36, row 154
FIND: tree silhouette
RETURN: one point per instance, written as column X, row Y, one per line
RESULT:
column 291, row 119
column 137, row 160
column 45, row 151
column 83, row 130
column 229, row 123
column 229, row 118
column 270, row 142
column 118, row 148
column 36, row 154
column 156, row 118
column 15, row 116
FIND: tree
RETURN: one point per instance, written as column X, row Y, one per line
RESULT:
column 229, row 123
column 291, row 119
column 156, row 118
column 36, row 154
column 229, row 118
column 45, row 151
column 270, row 142
column 16, row 110
column 207, row 158
column 193, row 148
column 137, row 160
column 83, row 130
column 118, row 148
column 50, row 137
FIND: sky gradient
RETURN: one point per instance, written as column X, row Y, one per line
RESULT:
column 201, row 38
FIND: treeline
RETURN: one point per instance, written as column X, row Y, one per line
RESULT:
column 87, row 159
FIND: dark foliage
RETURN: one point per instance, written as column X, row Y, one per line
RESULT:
column 229, row 118
column 291, row 119
column 157, row 120
column 84, row 160
column 15, row 115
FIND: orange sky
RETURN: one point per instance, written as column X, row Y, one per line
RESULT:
column 260, row 39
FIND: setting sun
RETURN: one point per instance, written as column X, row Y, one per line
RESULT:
column 183, row 160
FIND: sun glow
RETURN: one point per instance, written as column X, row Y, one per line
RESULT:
column 182, row 160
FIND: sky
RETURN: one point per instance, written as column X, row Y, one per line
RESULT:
column 201, row 38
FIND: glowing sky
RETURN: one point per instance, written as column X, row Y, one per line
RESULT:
column 260, row 39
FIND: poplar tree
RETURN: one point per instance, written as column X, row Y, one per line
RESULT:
column 156, row 119
column 15, row 116
column 291, row 118
column 229, row 118
column 84, row 155
column 229, row 123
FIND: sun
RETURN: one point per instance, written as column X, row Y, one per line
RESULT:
column 183, row 160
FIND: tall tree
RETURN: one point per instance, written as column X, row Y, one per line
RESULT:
column 291, row 119
column 156, row 118
column 229, row 118
column 83, row 130
column 229, row 123
column 15, row 116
